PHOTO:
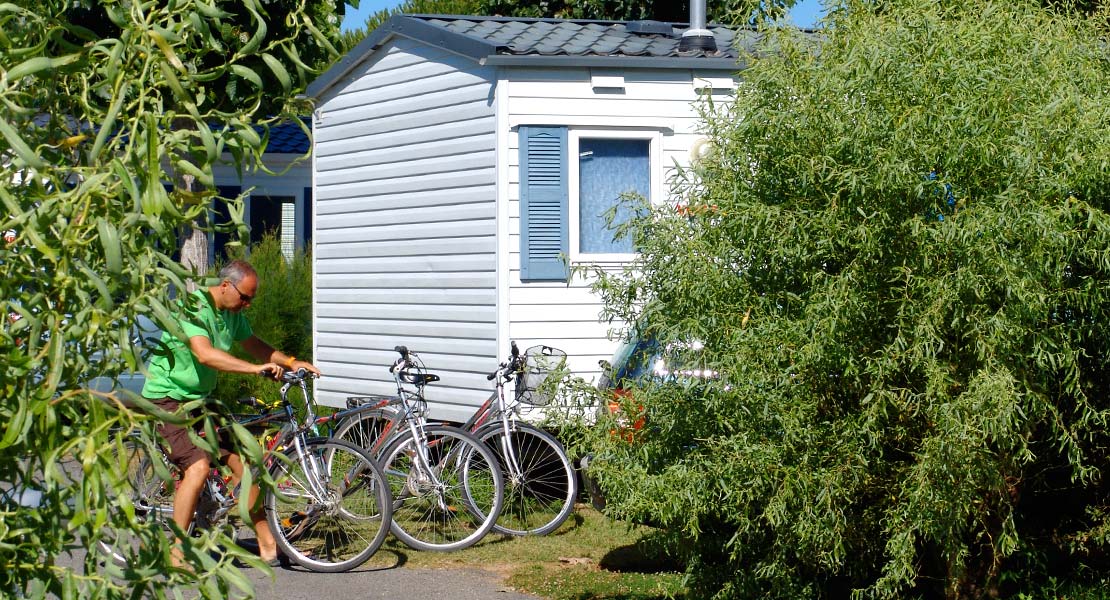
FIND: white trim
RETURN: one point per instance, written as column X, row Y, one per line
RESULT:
column 655, row 154
column 600, row 122
column 502, row 144
column 317, row 117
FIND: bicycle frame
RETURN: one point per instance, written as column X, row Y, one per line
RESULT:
column 412, row 413
column 497, row 407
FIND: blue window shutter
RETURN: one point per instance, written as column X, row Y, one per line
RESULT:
column 307, row 218
column 543, row 203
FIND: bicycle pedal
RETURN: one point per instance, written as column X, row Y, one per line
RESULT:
column 293, row 519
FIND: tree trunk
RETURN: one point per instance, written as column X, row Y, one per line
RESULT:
column 194, row 242
column 194, row 255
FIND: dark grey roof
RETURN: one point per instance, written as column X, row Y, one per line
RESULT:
column 289, row 138
column 552, row 37
column 286, row 137
column 556, row 42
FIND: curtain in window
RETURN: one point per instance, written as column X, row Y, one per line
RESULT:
column 609, row 168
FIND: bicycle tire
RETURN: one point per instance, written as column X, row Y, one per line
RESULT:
column 335, row 533
column 541, row 496
column 368, row 429
column 152, row 500
column 458, row 511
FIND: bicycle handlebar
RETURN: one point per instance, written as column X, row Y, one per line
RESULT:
column 508, row 368
column 404, row 352
column 289, row 376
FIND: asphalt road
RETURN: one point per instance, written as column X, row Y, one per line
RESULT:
column 383, row 576
column 395, row 582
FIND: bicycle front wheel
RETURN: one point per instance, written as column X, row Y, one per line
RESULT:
column 541, row 484
column 447, row 488
column 330, row 506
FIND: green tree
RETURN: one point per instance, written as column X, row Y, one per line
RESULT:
column 350, row 39
column 723, row 11
column 100, row 112
column 895, row 254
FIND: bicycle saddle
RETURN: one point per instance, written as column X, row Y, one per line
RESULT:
column 419, row 378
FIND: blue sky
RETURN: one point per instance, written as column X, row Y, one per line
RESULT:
column 804, row 14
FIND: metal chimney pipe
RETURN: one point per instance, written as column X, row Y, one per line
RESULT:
column 697, row 14
column 697, row 37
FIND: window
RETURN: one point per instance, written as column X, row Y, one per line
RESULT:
column 564, row 202
column 608, row 168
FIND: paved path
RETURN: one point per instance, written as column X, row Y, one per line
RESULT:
column 384, row 576
column 396, row 582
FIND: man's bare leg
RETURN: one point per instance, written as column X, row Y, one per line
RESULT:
column 185, row 502
column 267, row 546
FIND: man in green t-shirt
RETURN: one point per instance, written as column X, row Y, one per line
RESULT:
column 212, row 319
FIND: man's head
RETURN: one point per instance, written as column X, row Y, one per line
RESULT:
column 237, row 288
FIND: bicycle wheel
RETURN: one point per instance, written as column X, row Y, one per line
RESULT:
column 452, row 501
column 330, row 511
column 541, row 484
column 367, row 429
column 151, row 497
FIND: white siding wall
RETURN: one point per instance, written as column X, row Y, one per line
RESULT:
column 653, row 101
column 405, row 226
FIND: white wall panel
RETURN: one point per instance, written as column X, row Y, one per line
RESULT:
column 405, row 226
column 663, row 101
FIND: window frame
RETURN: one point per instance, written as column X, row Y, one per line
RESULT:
column 655, row 177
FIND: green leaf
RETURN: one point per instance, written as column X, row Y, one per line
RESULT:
column 279, row 72
column 113, row 250
column 37, row 64
column 24, row 152
column 249, row 75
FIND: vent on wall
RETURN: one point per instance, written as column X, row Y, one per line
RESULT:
column 607, row 81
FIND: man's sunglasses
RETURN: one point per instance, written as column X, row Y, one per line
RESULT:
column 243, row 297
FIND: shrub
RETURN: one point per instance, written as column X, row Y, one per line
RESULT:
column 896, row 256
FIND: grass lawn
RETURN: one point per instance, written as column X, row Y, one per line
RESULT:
column 590, row 556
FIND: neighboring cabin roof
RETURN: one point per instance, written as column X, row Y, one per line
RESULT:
column 548, row 42
column 286, row 137
column 289, row 138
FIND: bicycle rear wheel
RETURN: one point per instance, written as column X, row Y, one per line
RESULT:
column 151, row 497
column 451, row 502
column 541, row 484
column 368, row 429
column 330, row 511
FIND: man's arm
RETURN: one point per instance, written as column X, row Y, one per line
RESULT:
column 259, row 349
column 217, row 359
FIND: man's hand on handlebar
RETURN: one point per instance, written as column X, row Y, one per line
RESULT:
column 304, row 364
column 271, row 371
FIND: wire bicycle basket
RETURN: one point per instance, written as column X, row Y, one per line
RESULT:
column 537, row 365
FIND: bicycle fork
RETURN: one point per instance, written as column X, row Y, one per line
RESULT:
column 510, row 465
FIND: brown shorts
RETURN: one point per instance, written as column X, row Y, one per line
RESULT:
column 182, row 451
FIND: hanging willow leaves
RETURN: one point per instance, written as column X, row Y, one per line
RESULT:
column 105, row 105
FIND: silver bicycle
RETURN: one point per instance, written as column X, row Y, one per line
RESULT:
column 329, row 508
column 447, row 486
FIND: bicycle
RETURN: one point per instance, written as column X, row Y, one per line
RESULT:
column 540, row 481
column 447, row 486
column 329, row 507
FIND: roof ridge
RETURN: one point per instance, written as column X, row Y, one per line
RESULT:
column 558, row 20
